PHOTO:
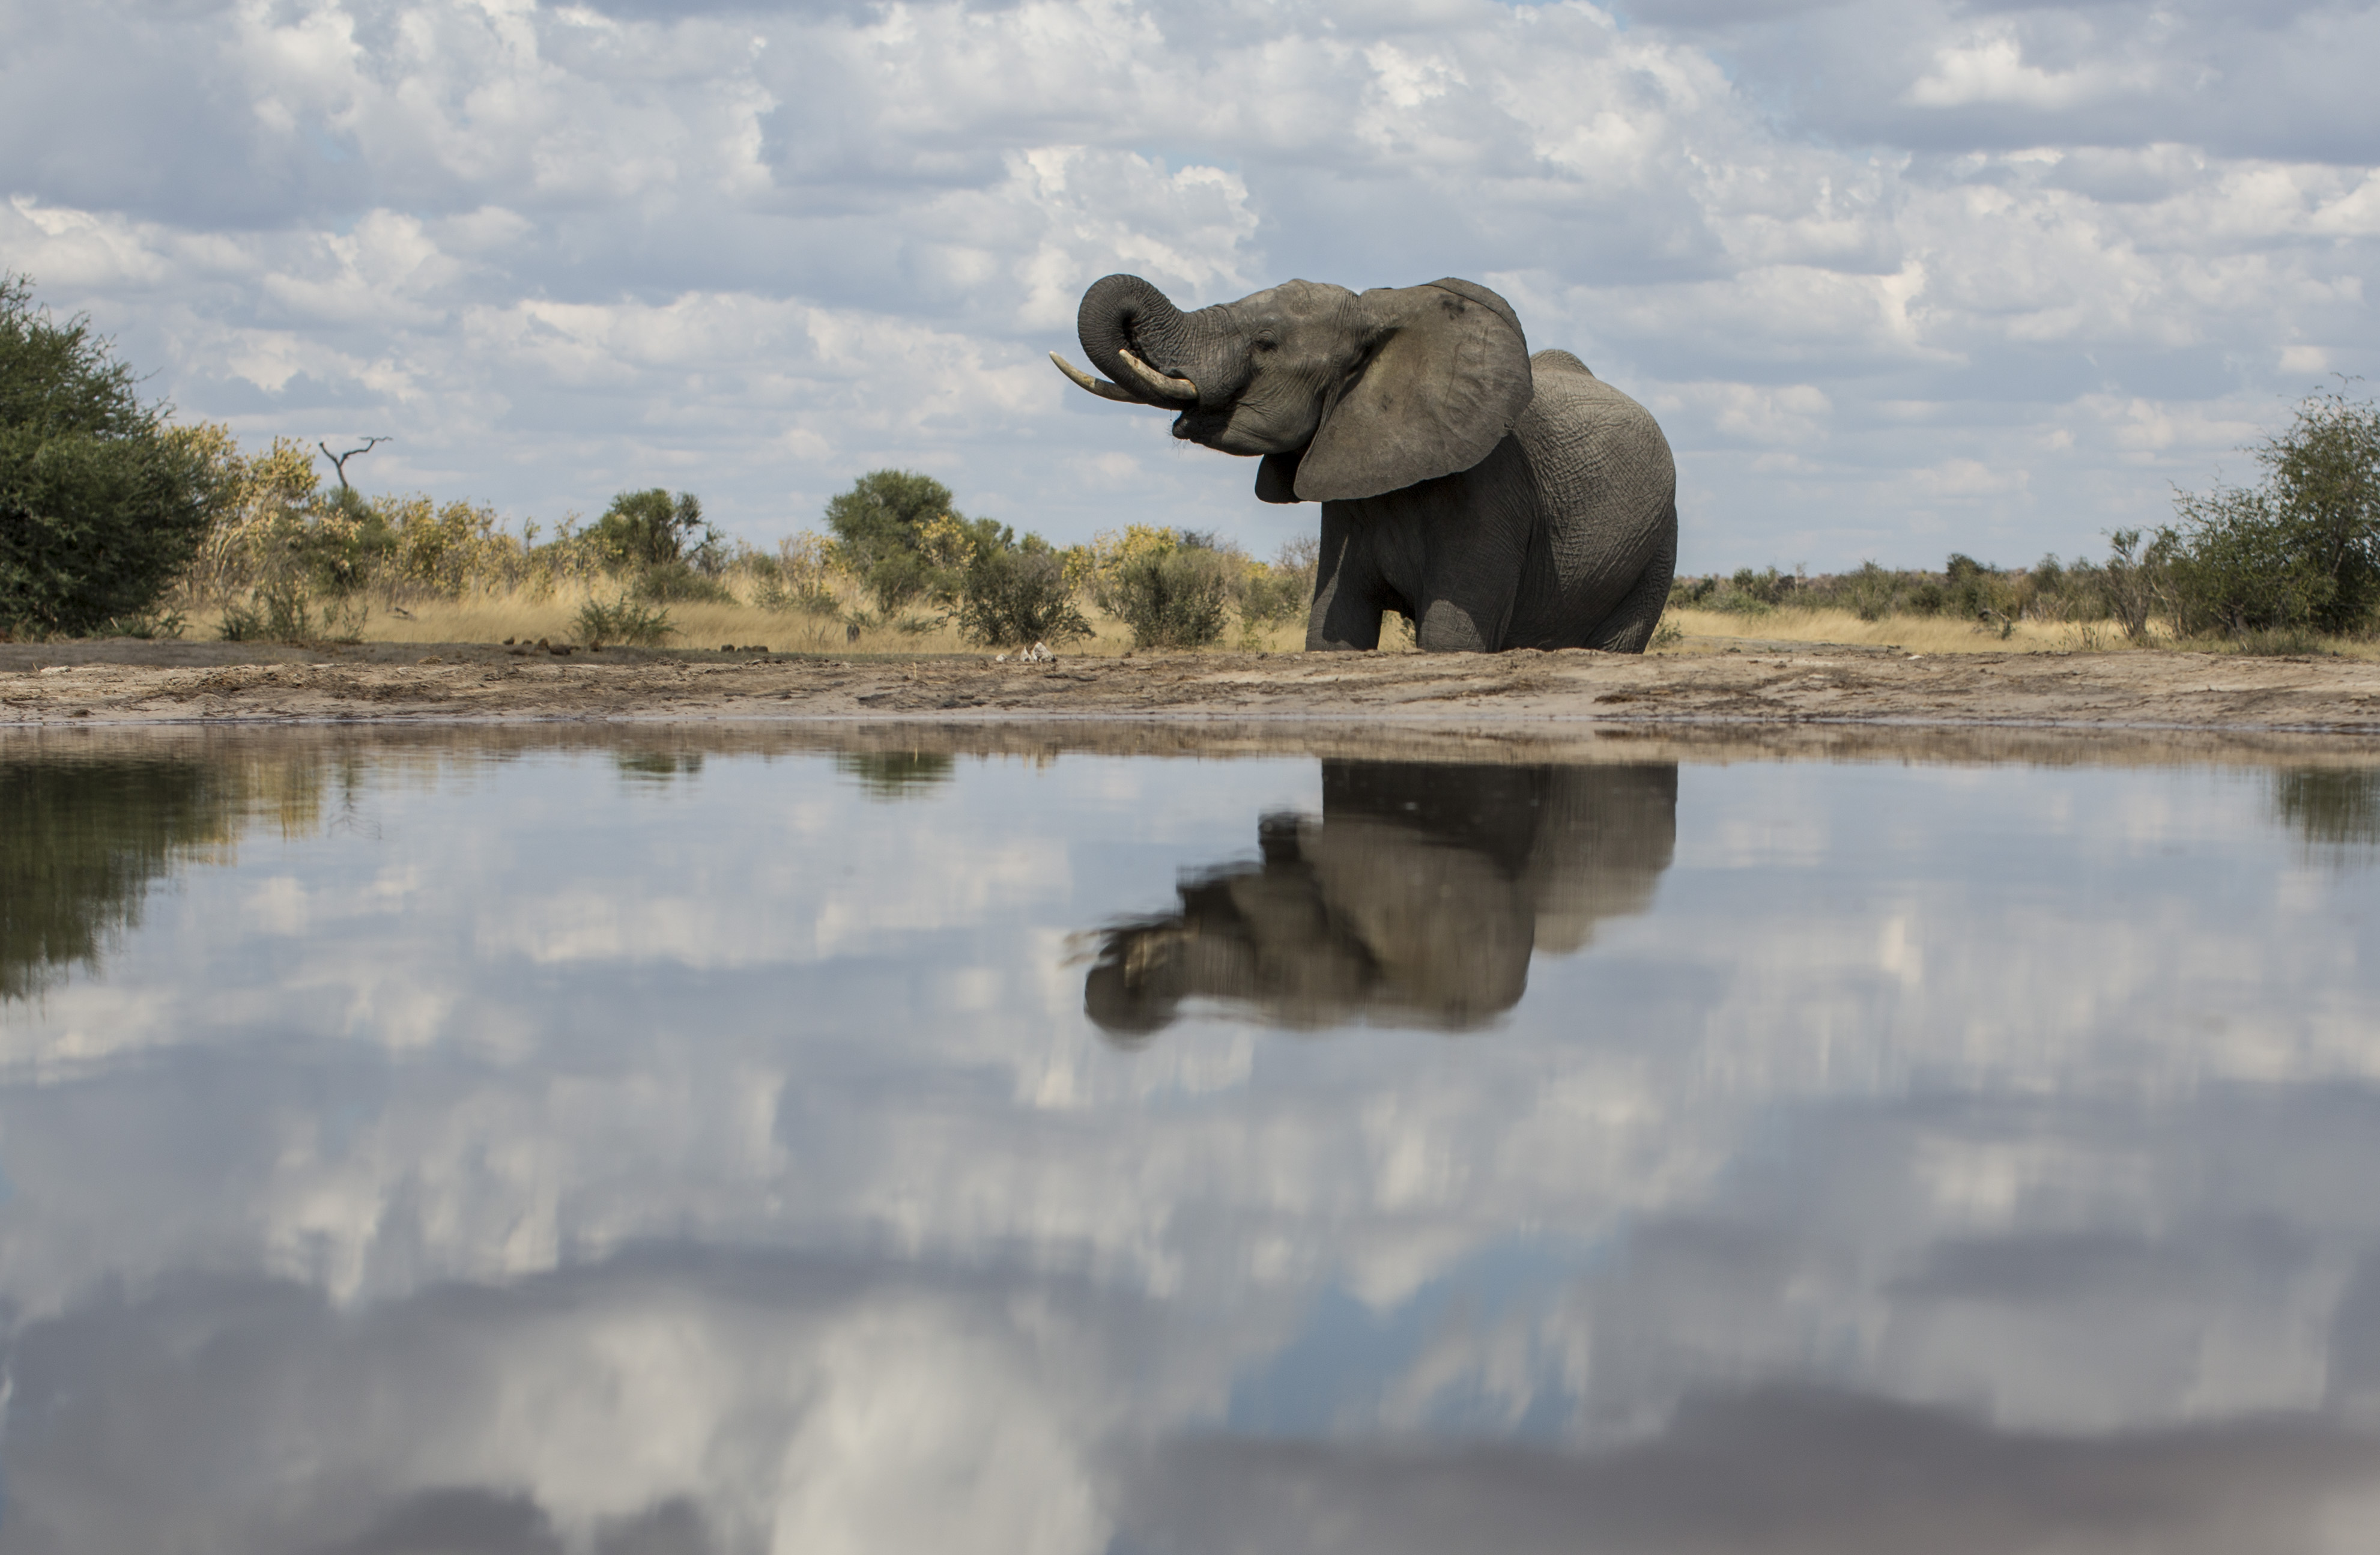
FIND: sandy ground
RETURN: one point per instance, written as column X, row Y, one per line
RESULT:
column 1748, row 682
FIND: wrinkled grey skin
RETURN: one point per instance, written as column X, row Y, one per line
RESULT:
column 1497, row 500
column 1415, row 898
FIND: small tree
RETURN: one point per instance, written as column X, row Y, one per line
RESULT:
column 101, row 502
column 903, row 538
column 2301, row 551
column 652, row 529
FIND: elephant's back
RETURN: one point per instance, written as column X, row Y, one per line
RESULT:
column 1589, row 432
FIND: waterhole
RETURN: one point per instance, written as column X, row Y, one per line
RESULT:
column 967, row 1140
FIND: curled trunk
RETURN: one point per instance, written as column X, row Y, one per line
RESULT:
column 1124, row 314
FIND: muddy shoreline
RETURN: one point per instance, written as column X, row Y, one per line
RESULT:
column 1741, row 685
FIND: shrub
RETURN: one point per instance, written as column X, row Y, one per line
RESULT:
column 773, row 592
column 800, row 577
column 284, row 613
column 678, row 583
column 1281, row 592
column 1015, row 597
column 623, row 621
column 901, row 537
column 102, row 502
column 1870, row 592
column 1170, row 599
column 651, row 529
column 2299, row 551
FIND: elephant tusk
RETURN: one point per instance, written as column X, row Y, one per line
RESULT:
column 1171, row 388
column 1099, row 386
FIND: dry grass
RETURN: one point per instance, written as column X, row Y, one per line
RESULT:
column 525, row 618
column 1917, row 634
column 1708, row 631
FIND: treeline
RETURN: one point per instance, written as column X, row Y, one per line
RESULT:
column 114, row 520
column 1964, row 589
column 897, row 535
column 2276, row 565
column 292, row 559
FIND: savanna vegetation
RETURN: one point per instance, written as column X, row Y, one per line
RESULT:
column 2289, row 564
column 114, row 520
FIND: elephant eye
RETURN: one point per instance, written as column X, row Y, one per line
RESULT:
column 1267, row 343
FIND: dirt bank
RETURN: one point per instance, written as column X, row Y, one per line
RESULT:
column 1750, row 682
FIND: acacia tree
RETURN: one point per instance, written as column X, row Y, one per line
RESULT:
column 101, row 502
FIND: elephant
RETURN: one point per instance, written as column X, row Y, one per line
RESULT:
column 1416, row 898
column 1495, row 499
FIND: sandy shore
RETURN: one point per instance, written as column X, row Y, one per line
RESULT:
column 1744, row 682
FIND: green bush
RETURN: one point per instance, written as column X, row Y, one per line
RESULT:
column 899, row 578
column 102, row 502
column 678, row 583
column 623, row 621
column 904, row 541
column 1273, row 600
column 772, row 592
column 1015, row 598
column 2301, row 552
column 1174, row 599
column 343, row 543
column 284, row 613
column 1870, row 592
column 651, row 529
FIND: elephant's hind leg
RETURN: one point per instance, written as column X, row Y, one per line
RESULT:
column 1629, row 627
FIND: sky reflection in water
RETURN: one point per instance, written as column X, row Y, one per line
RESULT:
column 653, row 1148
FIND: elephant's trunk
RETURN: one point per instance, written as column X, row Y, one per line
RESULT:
column 1138, row 339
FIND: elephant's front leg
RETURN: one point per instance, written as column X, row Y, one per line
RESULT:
column 1348, row 588
column 1471, row 533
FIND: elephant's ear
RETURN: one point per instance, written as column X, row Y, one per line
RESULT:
column 1446, row 377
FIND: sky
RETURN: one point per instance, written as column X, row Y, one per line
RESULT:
column 1897, row 277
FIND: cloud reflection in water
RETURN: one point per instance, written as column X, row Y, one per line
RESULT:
column 1862, row 1158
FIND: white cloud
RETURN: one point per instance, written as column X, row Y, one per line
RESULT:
column 1990, row 68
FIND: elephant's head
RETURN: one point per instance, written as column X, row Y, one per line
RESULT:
column 1416, row 898
column 1343, row 396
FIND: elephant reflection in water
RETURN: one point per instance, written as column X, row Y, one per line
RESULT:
column 1415, row 899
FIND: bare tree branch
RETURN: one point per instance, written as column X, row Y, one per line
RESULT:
column 339, row 461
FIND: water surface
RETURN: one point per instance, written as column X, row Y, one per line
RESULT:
column 476, row 1144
